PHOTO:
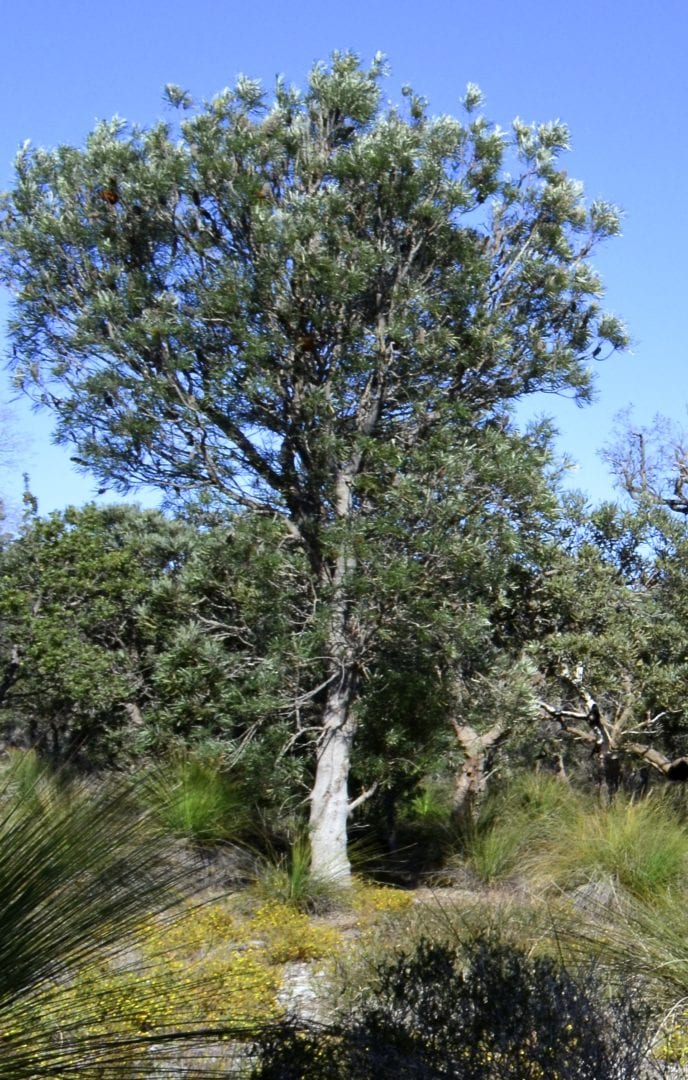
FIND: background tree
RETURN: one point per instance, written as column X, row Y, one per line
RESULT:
column 77, row 652
column 610, row 635
column 241, row 659
column 313, row 306
column 651, row 464
column 11, row 443
column 124, row 633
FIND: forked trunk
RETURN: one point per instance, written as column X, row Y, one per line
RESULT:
column 471, row 780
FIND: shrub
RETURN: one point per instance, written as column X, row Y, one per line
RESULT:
column 489, row 1013
column 289, row 935
column 431, row 805
column 370, row 901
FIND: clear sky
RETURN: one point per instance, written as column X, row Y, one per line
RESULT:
column 614, row 70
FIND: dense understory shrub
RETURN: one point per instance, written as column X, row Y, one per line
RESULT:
column 486, row 1012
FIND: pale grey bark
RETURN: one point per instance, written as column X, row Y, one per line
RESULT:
column 330, row 793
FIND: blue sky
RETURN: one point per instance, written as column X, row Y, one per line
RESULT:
column 615, row 72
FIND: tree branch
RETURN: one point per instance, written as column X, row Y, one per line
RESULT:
column 363, row 797
column 474, row 744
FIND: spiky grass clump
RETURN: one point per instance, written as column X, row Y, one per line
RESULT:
column 640, row 944
column 431, row 805
column 20, row 772
column 286, row 878
column 642, row 847
column 540, row 829
column 515, row 822
column 85, row 855
column 80, row 872
column 638, row 941
column 195, row 799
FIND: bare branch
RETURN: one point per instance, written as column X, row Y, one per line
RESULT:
column 363, row 797
column 561, row 715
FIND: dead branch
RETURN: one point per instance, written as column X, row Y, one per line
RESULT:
column 610, row 741
column 561, row 716
column 676, row 770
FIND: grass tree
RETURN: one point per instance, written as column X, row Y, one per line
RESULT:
column 82, row 873
column 318, row 307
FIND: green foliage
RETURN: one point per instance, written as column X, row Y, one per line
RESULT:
column 126, row 633
column 73, row 589
column 612, row 600
column 431, row 806
column 154, row 219
column 237, row 649
column 294, row 261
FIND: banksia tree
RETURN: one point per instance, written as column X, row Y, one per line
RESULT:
column 318, row 307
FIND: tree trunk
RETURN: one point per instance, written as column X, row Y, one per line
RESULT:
column 11, row 674
column 330, row 794
column 471, row 781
